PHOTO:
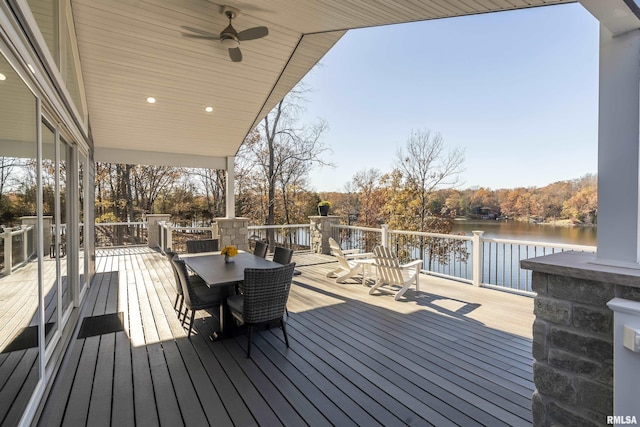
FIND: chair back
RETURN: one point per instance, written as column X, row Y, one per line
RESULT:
column 336, row 251
column 191, row 300
column 177, row 286
column 387, row 265
column 282, row 255
column 260, row 249
column 335, row 248
column 265, row 293
column 203, row 245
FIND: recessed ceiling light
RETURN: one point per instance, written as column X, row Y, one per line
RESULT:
column 2, row 77
column 208, row 109
column 151, row 100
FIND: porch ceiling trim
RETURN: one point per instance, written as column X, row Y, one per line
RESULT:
column 157, row 158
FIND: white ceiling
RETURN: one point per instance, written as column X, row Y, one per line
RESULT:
column 133, row 49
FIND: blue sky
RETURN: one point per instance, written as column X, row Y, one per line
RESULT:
column 518, row 91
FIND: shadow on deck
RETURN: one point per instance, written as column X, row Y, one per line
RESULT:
column 354, row 359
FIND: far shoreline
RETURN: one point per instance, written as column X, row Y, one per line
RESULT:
column 557, row 223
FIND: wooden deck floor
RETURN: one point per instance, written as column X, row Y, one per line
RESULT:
column 448, row 355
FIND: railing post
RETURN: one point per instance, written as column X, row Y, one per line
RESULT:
column 214, row 231
column 25, row 249
column 169, row 242
column 161, row 234
column 478, row 258
column 8, row 261
column 384, row 239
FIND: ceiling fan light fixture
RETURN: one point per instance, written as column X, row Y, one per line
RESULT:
column 230, row 42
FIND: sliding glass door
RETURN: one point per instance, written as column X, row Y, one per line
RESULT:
column 20, row 273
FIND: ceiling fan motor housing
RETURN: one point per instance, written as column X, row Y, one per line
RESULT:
column 229, row 36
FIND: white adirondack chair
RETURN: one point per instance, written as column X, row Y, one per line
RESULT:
column 347, row 267
column 393, row 277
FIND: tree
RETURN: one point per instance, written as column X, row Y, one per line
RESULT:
column 9, row 176
column 583, row 206
column 426, row 166
column 367, row 185
column 422, row 168
column 281, row 152
column 151, row 181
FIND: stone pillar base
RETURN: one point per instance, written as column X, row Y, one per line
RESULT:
column 233, row 231
column 153, row 231
column 321, row 231
column 573, row 346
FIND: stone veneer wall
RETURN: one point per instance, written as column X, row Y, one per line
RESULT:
column 233, row 231
column 573, row 337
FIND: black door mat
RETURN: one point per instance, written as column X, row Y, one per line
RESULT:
column 26, row 338
column 103, row 324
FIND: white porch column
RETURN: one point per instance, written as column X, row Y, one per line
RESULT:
column 231, row 187
column 618, row 149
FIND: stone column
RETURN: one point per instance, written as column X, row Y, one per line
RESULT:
column 233, row 231
column 573, row 337
column 321, row 231
column 153, row 231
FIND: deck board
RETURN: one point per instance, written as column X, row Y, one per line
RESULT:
column 451, row 354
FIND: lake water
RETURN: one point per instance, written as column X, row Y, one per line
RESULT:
column 519, row 230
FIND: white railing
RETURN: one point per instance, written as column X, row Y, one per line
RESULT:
column 174, row 237
column 294, row 236
column 354, row 237
column 119, row 234
column 501, row 266
column 472, row 259
column 16, row 248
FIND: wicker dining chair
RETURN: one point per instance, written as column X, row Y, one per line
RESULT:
column 282, row 255
column 202, row 245
column 195, row 297
column 194, row 279
column 260, row 249
column 263, row 299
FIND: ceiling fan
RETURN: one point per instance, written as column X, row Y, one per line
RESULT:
column 229, row 37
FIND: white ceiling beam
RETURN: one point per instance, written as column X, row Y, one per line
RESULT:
column 617, row 16
column 155, row 158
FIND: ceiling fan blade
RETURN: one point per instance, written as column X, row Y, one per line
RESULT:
column 253, row 33
column 235, row 54
column 201, row 36
column 200, row 32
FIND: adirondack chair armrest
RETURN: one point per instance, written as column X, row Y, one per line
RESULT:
column 357, row 255
column 350, row 251
column 416, row 263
